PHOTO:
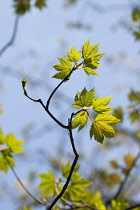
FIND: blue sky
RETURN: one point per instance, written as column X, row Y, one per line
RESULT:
column 44, row 36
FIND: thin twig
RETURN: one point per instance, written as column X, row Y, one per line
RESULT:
column 12, row 39
column 49, row 99
column 124, row 180
column 41, row 102
column 23, row 186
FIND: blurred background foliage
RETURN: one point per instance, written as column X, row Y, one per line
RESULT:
column 105, row 166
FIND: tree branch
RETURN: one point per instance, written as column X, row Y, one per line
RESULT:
column 23, row 186
column 12, row 39
column 124, row 180
column 46, row 109
column 48, row 101
column 72, row 167
column 132, row 207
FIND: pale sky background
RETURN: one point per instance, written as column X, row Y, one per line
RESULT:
column 42, row 37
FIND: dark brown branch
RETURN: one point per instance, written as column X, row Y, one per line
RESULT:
column 132, row 207
column 40, row 101
column 48, row 101
column 71, row 205
column 124, row 180
column 57, row 192
column 23, row 186
column 12, row 39
column 72, row 167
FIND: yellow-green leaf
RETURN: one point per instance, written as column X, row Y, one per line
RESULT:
column 74, row 55
column 89, row 70
column 101, row 127
column 47, row 183
column 84, row 99
column 64, row 68
column 13, row 144
column 99, row 104
column 80, row 120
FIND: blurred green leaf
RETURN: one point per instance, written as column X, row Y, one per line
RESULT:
column 136, row 14
column 22, row 6
column 113, row 179
column 76, row 189
column 66, row 169
column 13, row 144
column 40, row 3
column 118, row 113
column 47, row 183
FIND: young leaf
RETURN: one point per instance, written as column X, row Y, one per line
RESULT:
column 88, row 51
column 1, row 110
column 85, row 49
column 118, row 113
column 89, row 70
column 91, row 58
column 109, row 119
column 101, row 127
column 40, row 4
column 84, row 99
column 113, row 179
column 98, row 56
column 114, row 164
column 99, row 105
column 76, row 189
column 64, row 68
column 80, row 120
column 47, row 183
column 66, row 169
column 73, row 55
column 3, row 165
column 119, row 205
column 1, row 137
column 8, row 146
column 129, row 160
column 91, row 63
column 13, row 143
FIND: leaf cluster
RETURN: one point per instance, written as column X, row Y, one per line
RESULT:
column 100, row 126
column 129, row 161
column 134, row 114
column 21, row 6
column 87, row 58
column 9, row 146
column 76, row 189
column 119, row 204
column 136, row 22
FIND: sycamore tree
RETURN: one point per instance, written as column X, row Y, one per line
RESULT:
column 101, row 189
